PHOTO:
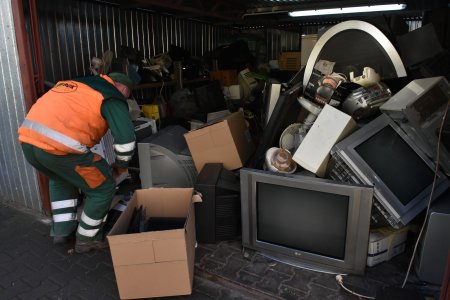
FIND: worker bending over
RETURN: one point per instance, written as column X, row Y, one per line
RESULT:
column 56, row 137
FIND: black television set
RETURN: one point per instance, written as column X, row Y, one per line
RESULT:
column 286, row 111
column 305, row 221
column 383, row 155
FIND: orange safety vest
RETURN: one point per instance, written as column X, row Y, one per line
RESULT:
column 66, row 119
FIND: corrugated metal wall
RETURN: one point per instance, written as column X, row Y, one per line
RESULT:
column 72, row 32
column 314, row 28
column 414, row 24
column 18, row 181
column 280, row 40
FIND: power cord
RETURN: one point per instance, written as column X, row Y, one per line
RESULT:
column 431, row 195
column 340, row 281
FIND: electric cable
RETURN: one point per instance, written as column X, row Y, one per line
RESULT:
column 340, row 280
column 431, row 195
column 163, row 104
column 162, row 86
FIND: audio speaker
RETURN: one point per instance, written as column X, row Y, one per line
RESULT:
column 435, row 243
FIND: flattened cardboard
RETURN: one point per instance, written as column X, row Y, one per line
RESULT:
column 158, row 263
column 227, row 142
column 225, row 77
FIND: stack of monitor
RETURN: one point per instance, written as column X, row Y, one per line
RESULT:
column 383, row 175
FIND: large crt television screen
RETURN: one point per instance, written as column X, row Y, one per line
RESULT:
column 382, row 155
column 165, row 160
column 293, row 220
column 305, row 221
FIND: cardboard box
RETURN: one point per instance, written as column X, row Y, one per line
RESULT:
column 225, row 77
column 385, row 243
column 290, row 61
column 157, row 263
column 307, row 45
column 227, row 142
column 330, row 127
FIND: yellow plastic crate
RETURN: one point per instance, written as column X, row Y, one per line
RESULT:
column 151, row 111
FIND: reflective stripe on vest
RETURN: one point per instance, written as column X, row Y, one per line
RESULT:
column 56, row 136
column 64, row 204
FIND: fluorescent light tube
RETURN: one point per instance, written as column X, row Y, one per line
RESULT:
column 346, row 10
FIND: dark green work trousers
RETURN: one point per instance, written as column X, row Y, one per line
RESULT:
column 68, row 173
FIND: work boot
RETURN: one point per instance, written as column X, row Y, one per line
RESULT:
column 86, row 246
column 59, row 240
column 63, row 239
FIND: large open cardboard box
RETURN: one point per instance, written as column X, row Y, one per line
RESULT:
column 157, row 263
column 228, row 142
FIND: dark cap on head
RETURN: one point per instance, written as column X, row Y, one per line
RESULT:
column 122, row 78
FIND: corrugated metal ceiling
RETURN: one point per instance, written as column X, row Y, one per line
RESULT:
column 268, row 12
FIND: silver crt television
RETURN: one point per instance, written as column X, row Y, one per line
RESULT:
column 381, row 154
column 165, row 160
column 305, row 221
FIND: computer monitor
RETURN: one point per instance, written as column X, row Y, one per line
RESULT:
column 418, row 109
column 165, row 160
column 286, row 111
column 382, row 155
column 271, row 94
column 434, row 246
column 305, row 221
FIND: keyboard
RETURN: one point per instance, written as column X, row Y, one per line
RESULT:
column 341, row 172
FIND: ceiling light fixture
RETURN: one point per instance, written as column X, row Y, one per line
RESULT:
column 346, row 10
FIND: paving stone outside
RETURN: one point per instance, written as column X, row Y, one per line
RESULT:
column 31, row 267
